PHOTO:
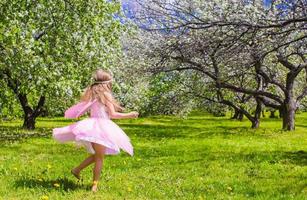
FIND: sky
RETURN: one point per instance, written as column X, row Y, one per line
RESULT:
column 130, row 6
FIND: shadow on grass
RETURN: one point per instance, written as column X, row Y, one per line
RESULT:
column 205, row 156
column 184, row 131
column 302, row 126
column 160, row 131
column 296, row 157
column 58, row 184
column 12, row 134
column 276, row 157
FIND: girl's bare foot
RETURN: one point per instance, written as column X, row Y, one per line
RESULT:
column 75, row 173
column 95, row 186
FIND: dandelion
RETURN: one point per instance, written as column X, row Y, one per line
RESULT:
column 44, row 197
column 200, row 197
column 56, row 185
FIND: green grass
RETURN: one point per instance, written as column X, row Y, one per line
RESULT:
column 201, row 157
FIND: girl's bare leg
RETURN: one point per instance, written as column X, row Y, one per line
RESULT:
column 76, row 171
column 98, row 159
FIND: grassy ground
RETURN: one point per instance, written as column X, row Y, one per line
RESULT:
column 201, row 157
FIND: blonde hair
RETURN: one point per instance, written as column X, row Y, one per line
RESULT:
column 102, row 85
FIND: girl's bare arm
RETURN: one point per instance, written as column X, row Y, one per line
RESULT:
column 117, row 115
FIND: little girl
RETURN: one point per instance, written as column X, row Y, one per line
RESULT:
column 98, row 134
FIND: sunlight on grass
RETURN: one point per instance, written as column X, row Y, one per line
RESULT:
column 202, row 157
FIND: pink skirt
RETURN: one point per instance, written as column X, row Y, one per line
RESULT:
column 97, row 130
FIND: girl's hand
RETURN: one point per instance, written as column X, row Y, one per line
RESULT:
column 134, row 114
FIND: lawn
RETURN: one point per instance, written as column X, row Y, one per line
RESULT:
column 201, row 157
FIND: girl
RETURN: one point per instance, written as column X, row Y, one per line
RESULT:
column 98, row 134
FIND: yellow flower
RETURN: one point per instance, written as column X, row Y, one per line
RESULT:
column 129, row 189
column 15, row 168
column 44, row 197
column 200, row 197
column 48, row 166
column 56, row 185
column 139, row 159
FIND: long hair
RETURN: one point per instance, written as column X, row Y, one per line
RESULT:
column 102, row 83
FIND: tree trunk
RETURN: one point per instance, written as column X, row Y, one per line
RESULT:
column 238, row 115
column 272, row 114
column 256, row 119
column 289, row 107
column 289, row 104
column 281, row 112
column 29, row 121
column 289, row 115
column 255, row 123
column 263, row 113
column 30, row 114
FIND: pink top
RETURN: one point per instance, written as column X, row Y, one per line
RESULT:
column 97, row 109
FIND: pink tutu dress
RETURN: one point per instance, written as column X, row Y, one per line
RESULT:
column 97, row 129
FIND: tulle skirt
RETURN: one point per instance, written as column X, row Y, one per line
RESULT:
column 97, row 130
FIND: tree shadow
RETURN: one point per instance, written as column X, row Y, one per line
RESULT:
column 159, row 131
column 302, row 126
column 185, row 131
column 57, row 184
column 275, row 157
column 11, row 134
column 296, row 157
